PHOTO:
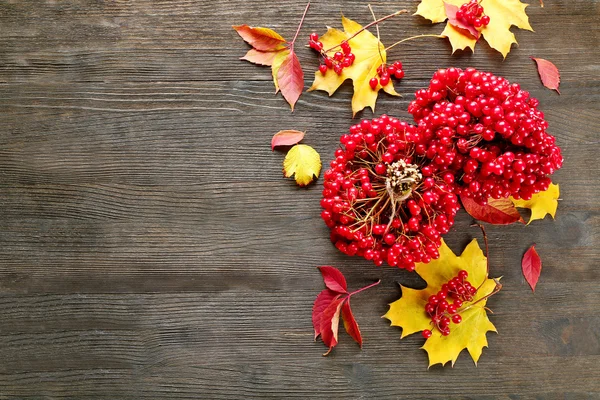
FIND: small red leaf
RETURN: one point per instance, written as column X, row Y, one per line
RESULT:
column 286, row 138
column 548, row 73
column 260, row 57
column 290, row 79
column 330, row 322
column 263, row 39
column 451, row 10
column 334, row 279
column 497, row 212
column 532, row 267
column 323, row 300
column 350, row 323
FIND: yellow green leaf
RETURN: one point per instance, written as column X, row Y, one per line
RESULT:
column 409, row 312
column 370, row 54
column 432, row 10
column 542, row 203
column 276, row 66
column 304, row 162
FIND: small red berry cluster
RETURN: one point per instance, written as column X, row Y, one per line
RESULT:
column 340, row 59
column 471, row 14
column 385, row 73
column 441, row 312
column 486, row 130
column 377, row 201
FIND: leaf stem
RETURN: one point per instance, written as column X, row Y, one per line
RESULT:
column 378, row 44
column 299, row 26
column 367, row 27
column 411, row 38
column 365, row 288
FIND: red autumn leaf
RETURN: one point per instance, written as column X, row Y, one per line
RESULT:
column 451, row 10
column 263, row 39
column 323, row 300
column 286, row 138
column 350, row 323
column 532, row 267
column 334, row 279
column 291, row 79
column 260, row 57
column 330, row 322
column 497, row 212
column 548, row 73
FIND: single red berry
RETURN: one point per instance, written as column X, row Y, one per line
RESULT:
column 338, row 56
column 456, row 319
column 463, row 274
column 426, row 333
column 338, row 69
column 373, row 83
column 385, row 79
column 323, row 68
column 314, row 37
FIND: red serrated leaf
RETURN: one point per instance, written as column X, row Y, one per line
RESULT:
column 350, row 323
column 260, row 57
column 290, row 79
column 497, row 212
column 330, row 321
column 334, row 279
column 286, row 138
column 548, row 73
column 451, row 10
column 323, row 300
column 263, row 39
column 532, row 267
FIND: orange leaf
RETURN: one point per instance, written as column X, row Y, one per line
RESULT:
column 350, row 323
column 497, row 212
column 260, row 57
column 286, row 138
column 290, row 79
column 263, row 39
column 532, row 267
column 548, row 73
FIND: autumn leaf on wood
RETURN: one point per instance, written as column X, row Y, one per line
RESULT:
column 541, row 203
column 503, row 15
column 370, row 54
column 548, row 73
column 497, row 212
column 287, row 137
column 470, row 333
column 304, row 162
column 330, row 304
column 271, row 49
column 532, row 267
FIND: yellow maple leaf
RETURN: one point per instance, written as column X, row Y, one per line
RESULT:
column 370, row 54
column 503, row 14
column 409, row 312
column 541, row 203
column 304, row 162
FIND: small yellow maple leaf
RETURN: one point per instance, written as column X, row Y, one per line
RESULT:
column 409, row 312
column 304, row 162
column 370, row 54
column 540, row 204
column 503, row 14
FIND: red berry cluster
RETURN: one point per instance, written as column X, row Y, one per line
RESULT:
column 340, row 60
column 385, row 73
column 378, row 199
column 471, row 14
column 488, row 132
column 441, row 312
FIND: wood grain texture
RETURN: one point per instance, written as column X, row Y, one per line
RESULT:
column 150, row 248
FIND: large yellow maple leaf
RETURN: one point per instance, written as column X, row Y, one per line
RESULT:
column 541, row 203
column 503, row 14
column 370, row 54
column 409, row 312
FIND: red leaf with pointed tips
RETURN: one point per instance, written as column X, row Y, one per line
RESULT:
column 286, row 138
column 263, row 39
column 290, row 79
column 260, row 57
column 350, row 323
column 497, row 212
column 548, row 73
column 323, row 300
column 451, row 10
column 330, row 322
column 532, row 267
column 334, row 279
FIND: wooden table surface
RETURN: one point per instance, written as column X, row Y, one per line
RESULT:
column 150, row 248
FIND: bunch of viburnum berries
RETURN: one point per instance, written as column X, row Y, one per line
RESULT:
column 393, row 188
